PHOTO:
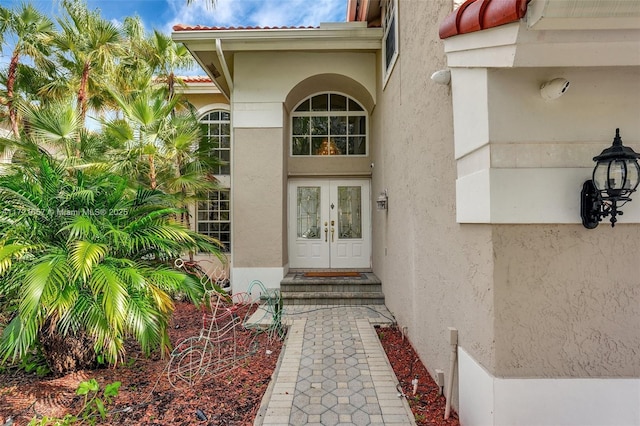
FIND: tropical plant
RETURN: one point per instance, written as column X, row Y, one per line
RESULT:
column 87, row 49
column 163, row 148
column 33, row 33
column 84, row 262
column 94, row 406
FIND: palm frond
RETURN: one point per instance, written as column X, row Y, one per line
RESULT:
column 84, row 257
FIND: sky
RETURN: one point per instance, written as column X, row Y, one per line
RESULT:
column 164, row 14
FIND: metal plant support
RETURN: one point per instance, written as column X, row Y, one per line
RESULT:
column 227, row 336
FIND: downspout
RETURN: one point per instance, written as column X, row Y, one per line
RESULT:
column 224, row 65
column 227, row 76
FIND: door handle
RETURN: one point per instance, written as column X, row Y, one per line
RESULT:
column 326, row 231
column 332, row 232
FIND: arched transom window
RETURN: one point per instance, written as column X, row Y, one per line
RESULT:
column 329, row 124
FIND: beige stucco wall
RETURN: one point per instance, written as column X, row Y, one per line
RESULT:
column 202, row 101
column 258, row 192
column 436, row 273
column 567, row 301
column 261, row 161
column 566, row 298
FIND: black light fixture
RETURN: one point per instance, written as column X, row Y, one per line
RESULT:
column 615, row 178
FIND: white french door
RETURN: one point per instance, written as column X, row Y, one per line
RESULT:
column 329, row 223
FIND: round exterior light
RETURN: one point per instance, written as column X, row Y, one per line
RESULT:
column 615, row 178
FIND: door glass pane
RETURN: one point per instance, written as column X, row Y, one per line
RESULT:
column 308, row 220
column 349, row 212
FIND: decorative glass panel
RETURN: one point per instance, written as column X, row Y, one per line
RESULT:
column 308, row 212
column 349, row 212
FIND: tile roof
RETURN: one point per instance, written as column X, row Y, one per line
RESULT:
column 183, row 27
column 196, row 79
column 476, row 15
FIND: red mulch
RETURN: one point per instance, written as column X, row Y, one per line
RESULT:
column 428, row 405
column 231, row 398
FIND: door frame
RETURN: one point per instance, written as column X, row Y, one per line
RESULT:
column 319, row 254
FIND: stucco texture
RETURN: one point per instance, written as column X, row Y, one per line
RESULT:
column 435, row 273
column 258, row 191
column 567, row 301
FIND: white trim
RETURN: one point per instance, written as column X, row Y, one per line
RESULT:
column 329, row 251
column 225, row 66
column 270, row 277
column 514, row 195
column 514, row 45
column 349, row 37
column 489, row 400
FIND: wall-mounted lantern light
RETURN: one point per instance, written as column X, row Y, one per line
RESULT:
column 382, row 202
column 615, row 178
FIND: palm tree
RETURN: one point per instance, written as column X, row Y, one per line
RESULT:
column 165, row 57
column 84, row 259
column 33, row 33
column 168, row 144
column 87, row 48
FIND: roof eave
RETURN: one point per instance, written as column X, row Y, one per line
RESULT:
column 214, row 49
column 331, row 38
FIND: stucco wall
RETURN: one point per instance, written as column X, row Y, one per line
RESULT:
column 567, row 301
column 436, row 273
column 512, row 145
column 257, row 197
column 201, row 101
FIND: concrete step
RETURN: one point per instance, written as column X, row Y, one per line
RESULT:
column 330, row 287
column 298, row 289
column 333, row 298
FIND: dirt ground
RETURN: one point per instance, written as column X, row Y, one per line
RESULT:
column 146, row 396
column 427, row 404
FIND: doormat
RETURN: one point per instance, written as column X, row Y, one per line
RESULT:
column 332, row 274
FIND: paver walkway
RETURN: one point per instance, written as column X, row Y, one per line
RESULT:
column 334, row 371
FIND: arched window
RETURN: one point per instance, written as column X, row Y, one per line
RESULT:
column 329, row 124
column 213, row 215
